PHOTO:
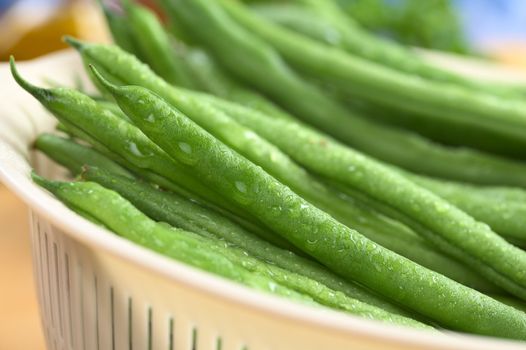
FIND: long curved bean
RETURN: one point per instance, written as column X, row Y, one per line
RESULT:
column 342, row 249
column 347, row 210
column 450, row 229
column 471, row 110
column 279, row 165
column 179, row 212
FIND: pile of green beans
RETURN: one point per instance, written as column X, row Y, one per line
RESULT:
column 339, row 248
column 324, row 21
column 242, row 157
column 261, row 66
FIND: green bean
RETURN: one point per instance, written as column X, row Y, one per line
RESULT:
column 260, row 65
column 325, row 22
column 503, row 209
column 487, row 205
column 470, row 110
column 446, row 132
column 73, row 156
column 120, row 216
column 447, row 227
column 335, row 245
column 270, row 158
column 179, row 212
column 155, row 44
column 516, row 303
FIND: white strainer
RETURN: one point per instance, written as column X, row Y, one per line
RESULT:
column 99, row 291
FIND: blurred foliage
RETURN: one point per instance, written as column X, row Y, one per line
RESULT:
column 424, row 23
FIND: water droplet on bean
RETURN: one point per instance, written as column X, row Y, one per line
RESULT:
column 186, row 148
column 132, row 146
column 150, row 118
column 241, row 187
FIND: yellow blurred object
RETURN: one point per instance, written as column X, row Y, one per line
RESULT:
column 26, row 40
column 512, row 53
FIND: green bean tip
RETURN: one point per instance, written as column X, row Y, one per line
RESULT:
column 73, row 42
column 32, row 89
column 43, row 182
column 108, row 85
